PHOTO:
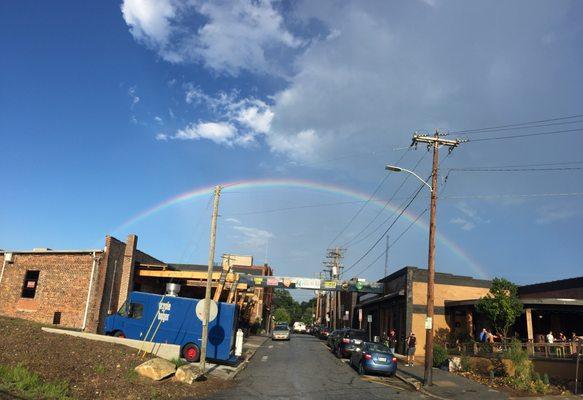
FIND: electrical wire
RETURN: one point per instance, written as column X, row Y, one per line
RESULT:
column 520, row 124
column 561, row 132
column 386, row 231
column 515, row 169
column 295, row 208
column 393, row 242
column 380, row 184
column 346, row 244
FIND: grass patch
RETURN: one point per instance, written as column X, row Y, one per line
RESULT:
column 20, row 380
column 100, row 369
column 179, row 362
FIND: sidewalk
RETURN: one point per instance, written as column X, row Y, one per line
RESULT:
column 447, row 385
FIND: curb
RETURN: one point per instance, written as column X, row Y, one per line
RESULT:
column 413, row 383
column 248, row 356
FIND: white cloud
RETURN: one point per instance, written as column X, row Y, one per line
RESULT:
column 135, row 98
column 218, row 132
column 224, row 36
column 253, row 238
column 150, row 23
column 463, row 223
column 158, row 120
column 233, row 221
column 551, row 213
column 162, row 136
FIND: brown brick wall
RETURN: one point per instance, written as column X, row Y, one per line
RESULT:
column 62, row 286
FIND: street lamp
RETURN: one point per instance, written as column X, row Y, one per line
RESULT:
column 394, row 168
column 427, row 379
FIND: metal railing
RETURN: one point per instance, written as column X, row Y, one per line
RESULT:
column 555, row 351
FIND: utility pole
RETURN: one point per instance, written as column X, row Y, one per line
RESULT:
column 387, row 257
column 209, row 280
column 334, row 266
column 432, row 141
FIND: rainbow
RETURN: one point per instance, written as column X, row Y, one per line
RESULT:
column 303, row 184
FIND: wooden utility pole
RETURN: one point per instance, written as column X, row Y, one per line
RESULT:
column 209, row 280
column 435, row 141
column 387, row 257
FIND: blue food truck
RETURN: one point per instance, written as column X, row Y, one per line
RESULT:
column 171, row 319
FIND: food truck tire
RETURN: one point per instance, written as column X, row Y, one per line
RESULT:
column 191, row 352
column 119, row 334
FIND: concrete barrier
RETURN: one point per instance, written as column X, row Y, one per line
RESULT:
column 162, row 350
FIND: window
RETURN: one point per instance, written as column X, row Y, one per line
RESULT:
column 131, row 310
column 30, row 284
column 136, row 310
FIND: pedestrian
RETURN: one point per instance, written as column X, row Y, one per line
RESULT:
column 562, row 337
column 411, row 342
column 550, row 337
column 392, row 339
column 490, row 337
column 483, row 335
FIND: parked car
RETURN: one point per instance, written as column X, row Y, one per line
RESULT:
column 347, row 341
column 281, row 332
column 299, row 327
column 324, row 333
column 374, row 358
column 333, row 338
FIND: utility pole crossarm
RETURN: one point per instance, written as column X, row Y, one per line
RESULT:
column 435, row 139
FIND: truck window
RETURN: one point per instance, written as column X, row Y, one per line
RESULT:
column 136, row 310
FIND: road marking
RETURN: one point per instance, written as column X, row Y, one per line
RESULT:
column 264, row 358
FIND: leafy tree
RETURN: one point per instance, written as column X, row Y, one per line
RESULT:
column 282, row 315
column 501, row 305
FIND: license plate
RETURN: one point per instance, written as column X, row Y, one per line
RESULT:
column 382, row 359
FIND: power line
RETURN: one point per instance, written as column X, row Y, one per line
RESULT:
column 386, row 203
column 339, row 203
column 467, row 131
column 494, row 196
column 381, row 183
column 386, row 231
column 561, row 132
column 515, row 169
column 393, row 242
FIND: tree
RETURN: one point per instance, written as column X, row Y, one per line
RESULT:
column 281, row 315
column 501, row 305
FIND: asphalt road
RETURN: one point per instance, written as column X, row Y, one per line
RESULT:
column 304, row 368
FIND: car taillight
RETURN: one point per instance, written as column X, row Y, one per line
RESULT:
column 345, row 340
column 394, row 360
column 367, row 356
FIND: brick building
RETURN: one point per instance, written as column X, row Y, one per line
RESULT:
column 79, row 288
column 73, row 288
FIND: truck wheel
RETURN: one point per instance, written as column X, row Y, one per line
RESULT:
column 190, row 352
column 119, row 334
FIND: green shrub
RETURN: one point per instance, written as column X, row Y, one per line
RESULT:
column 525, row 377
column 439, row 355
column 546, row 379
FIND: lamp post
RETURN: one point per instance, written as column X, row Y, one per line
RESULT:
column 430, row 264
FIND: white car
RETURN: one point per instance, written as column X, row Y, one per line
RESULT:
column 280, row 332
column 299, row 327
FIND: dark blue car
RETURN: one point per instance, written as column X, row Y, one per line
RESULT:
column 374, row 358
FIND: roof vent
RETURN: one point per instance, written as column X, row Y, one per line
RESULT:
column 172, row 289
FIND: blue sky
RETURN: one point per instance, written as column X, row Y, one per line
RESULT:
column 109, row 108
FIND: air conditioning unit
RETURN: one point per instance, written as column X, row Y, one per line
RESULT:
column 8, row 257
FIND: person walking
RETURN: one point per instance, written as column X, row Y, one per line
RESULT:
column 392, row 340
column 411, row 342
